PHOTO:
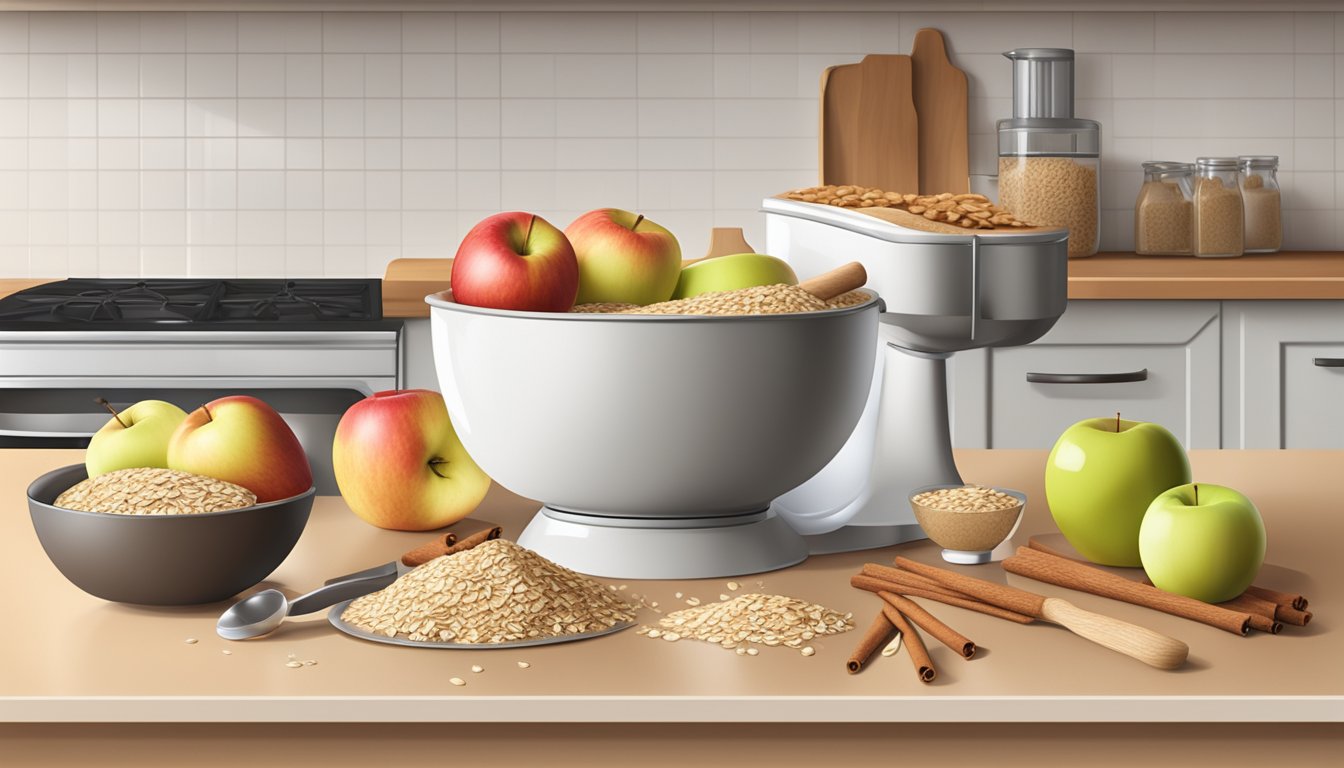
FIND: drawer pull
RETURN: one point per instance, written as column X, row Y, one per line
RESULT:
column 1328, row 362
column 1090, row 378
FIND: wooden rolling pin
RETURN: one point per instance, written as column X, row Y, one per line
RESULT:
column 1152, row 648
column 837, row 282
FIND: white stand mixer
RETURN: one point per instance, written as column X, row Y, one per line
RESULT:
column 943, row 293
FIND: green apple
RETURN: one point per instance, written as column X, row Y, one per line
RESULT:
column 1100, row 478
column 1202, row 541
column 135, row 437
column 728, row 273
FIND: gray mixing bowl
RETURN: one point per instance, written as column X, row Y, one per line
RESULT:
column 164, row 559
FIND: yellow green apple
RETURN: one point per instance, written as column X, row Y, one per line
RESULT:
column 135, row 437
column 242, row 440
column 1100, row 478
column 729, row 273
column 623, row 258
column 1202, row 541
column 400, row 465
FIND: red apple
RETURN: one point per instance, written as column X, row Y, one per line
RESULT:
column 400, row 465
column 516, row 261
column 623, row 258
column 244, row 441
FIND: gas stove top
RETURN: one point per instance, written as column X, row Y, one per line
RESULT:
column 187, row 304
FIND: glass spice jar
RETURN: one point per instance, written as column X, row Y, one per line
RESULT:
column 1261, row 203
column 1164, row 210
column 1218, row 220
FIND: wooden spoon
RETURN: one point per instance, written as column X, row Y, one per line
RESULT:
column 723, row 241
column 837, row 282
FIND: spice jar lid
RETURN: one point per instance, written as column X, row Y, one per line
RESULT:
column 1164, row 166
column 1259, row 161
column 1217, row 163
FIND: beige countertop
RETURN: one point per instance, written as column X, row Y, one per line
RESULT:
column 75, row 658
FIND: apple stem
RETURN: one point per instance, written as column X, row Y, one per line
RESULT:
column 638, row 219
column 208, row 417
column 1196, row 494
column 103, row 402
column 1117, row 422
column 527, row 236
column 434, row 464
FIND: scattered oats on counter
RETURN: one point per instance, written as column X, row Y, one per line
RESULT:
column 496, row 592
column 769, row 620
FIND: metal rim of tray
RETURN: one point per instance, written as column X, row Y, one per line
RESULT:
column 334, row 617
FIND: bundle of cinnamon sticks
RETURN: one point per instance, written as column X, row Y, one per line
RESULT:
column 1258, row 608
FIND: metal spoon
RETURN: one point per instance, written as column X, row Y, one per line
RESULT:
column 261, row 613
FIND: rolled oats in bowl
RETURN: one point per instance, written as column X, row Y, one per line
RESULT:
column 776, row 299
column 154, row 491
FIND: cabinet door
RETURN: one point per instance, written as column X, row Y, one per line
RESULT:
column 1284, row 374
column 1152, row 361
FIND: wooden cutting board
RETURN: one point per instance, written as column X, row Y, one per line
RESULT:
column 941, row 106
column 869, row 129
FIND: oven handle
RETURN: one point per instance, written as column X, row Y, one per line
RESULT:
column 366, row 386
column 24, row 433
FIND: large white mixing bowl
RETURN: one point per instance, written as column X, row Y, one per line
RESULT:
column 668, row 436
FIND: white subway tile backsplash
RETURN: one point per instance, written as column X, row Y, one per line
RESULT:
column 361, row 32
column 329, row 143
column 56, row 32
column 582, row 75
column 163, row 32
column 568, row 32
column 1224, row 32
column 163, row 75
column 428, row 32
column 342, row 75
column 303, row 75
column 596, row 117
column 212, row 32
column 428, row 117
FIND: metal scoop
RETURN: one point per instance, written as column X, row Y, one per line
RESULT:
column 261, row 613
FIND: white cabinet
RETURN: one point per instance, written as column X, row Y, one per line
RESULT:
column 1284, row 374
column 1149, row 360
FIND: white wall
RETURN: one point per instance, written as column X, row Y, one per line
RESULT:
column 312, row 143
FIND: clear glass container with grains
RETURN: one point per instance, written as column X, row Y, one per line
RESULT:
column 1261, row 203
column 1219, row 222
column 1164, row 210
column 1049, row 160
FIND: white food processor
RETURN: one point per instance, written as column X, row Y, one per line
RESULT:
column 943, row 293
column 656, row 443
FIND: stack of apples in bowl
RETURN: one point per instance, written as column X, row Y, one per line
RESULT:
column 176, row 508
column 656, row 442
column 1122, row 494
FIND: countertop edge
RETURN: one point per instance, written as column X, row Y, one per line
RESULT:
column 691, row 709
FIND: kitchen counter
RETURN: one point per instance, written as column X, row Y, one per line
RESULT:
column 88, row 661
column 1285, row 275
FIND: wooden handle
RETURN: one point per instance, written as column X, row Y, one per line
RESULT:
column 1153, row 649
column 723, row 241
column 840, row 280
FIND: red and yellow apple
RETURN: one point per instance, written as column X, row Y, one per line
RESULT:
column 515, row 261
column 244, row 441
column 400, row 465
column 135, row 437
column 623, row 258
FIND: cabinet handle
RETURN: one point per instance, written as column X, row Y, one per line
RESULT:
column 1328, row 362
column 1091, row 378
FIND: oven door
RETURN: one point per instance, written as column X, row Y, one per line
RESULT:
column 61, row 413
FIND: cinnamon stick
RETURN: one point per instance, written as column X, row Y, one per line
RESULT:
column 877, row 636
column 1063, row 572
column 1296, row 602
column 929, row 623
column 871, row 584
column 447, row 544
column 898, row 576
column 1002, row 595
column 919, row 655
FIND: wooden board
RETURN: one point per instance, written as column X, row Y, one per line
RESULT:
column 940, row 95
column 869, row 129
column 407, row 282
